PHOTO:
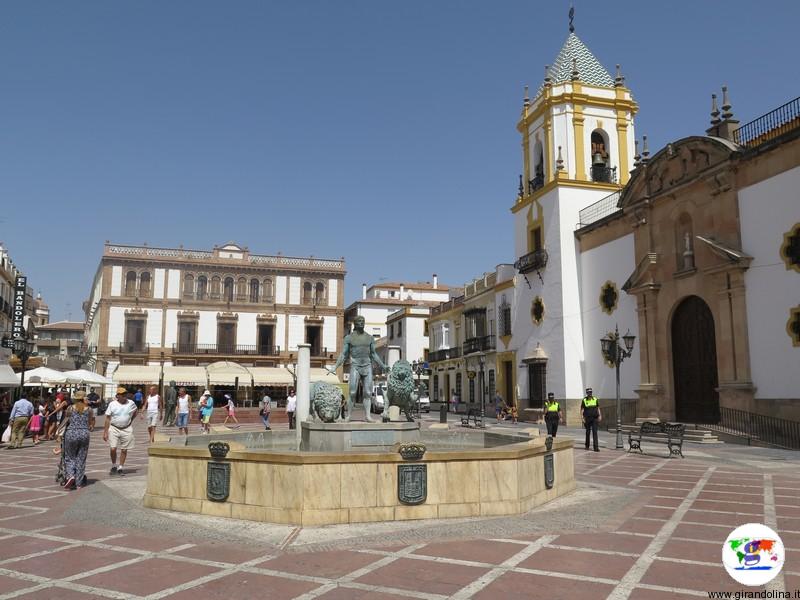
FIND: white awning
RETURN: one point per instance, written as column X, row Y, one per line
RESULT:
column 137, row 374
column 7, row 377
column 324, row 376
column 88, row 377
column 225, row 373
column 185, row 375
column 44, row 376
column 271, row 376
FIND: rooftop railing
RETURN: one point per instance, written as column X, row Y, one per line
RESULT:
column 769, row 126
column 599, row 210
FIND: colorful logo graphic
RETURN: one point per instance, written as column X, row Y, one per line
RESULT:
column 753, row 554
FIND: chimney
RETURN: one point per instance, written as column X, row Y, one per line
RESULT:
column 402, row 291
column 363, row 291
column 435, row 281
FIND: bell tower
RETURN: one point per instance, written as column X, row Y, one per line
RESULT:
column 577, row 149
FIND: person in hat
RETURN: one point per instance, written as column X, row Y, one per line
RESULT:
column 118, row 431
column 80, row 422
column 206, row 407
column 552, row 414
column 591, row 415
column 231, row 408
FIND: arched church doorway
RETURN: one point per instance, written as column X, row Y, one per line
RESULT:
column 694, row 362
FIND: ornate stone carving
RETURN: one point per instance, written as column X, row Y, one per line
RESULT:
column 326, row 401
column 537, row 310
column 609, row 297
column 400, row 388
column 218, row 473
column 412, row 484
column 790, row 250
column 412, row 451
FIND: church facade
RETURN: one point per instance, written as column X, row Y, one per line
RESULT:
column 695, row 250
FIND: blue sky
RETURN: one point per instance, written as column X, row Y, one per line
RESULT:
column 381, row 132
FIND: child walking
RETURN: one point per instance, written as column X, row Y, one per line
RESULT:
column 35, row 425
column 231, row 411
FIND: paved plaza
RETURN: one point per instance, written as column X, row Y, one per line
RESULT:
column 641, row 527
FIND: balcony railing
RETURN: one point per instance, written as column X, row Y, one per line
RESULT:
column 479, row 344
column 533, row 261
column 599, row 210
column 769, row 126
column 134, row 348
column 445, row 354
column 604, row 174
column 226, row 349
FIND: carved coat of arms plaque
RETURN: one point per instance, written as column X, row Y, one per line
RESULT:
column 412, row 483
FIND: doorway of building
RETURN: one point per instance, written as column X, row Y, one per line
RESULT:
column 694, row 363
column 508, row 382
column 314, row 337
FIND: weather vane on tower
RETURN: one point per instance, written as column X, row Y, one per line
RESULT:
column 571, row 18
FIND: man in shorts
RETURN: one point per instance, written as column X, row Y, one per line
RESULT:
column 118, row 431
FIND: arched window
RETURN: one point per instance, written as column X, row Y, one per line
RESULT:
column 202, row 287
column 130, row 283
column 267, row 290
column 144, row 285
column 216, row 285
column 319, row 292
column 684, row 243
column 254, row 290
column 188, row 286
column 538, row 167
column 241, row 289
column 308, row 290
column 601, row 163
column 227, row 291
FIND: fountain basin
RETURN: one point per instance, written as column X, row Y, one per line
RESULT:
column 467, row 475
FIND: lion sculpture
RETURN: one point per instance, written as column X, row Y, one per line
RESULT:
column 326, row 401
column 400, row 389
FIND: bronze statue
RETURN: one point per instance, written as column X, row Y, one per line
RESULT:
column 360, row 348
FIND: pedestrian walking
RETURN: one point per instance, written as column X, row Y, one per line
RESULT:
column 499, row 405
column 291, row 407
column 21, row 413
column 80, row 422
column 206, row 406
column 35, row 425
column 93, row 401
column 170, row 402
column 591, row 415
column 138, row 397
column 266, row 410
column 552, row 414
column 155, row 410
column 118, row 431
column 184, row 410
column 230, row 411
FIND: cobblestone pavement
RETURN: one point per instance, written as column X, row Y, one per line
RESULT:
column 641, row 527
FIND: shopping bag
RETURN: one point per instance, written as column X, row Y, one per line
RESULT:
column 6, row 435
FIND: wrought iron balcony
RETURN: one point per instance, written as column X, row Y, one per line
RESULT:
column 134, row 348
column 536, row 183
column 226, row 349
column 479, row 344
column 604, row 174
column 533, row 261
column 445, row 354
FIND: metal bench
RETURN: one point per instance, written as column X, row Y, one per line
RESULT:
column 475, row 415
column 670, row 434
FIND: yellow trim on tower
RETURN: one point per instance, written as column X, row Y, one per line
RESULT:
column 622, row 145
column 535, row 223
column 582, row 99
column 526, row 158
column 547, row 150
column 563, row 181
column 580, row 155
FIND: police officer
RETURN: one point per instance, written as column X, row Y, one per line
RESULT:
column 552, row 414
column 591, row 415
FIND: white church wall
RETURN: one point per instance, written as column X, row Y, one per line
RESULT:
column 613, row 261
column 767, row 210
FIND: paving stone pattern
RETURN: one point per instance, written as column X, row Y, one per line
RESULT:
column 661, row 538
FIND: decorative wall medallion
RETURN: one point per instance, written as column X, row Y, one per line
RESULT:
column 609, row 297
column 218, row 478
column 537, row 310
column 793, row 326
column 412, row 484
column 790, row 250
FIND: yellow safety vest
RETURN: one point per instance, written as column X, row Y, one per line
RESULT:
column 551, row 406
column 590, row 402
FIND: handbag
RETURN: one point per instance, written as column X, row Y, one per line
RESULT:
column 62, row 427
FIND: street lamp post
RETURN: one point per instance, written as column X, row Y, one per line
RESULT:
column 23, row 349
column 616, row 354
column 419, row 367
